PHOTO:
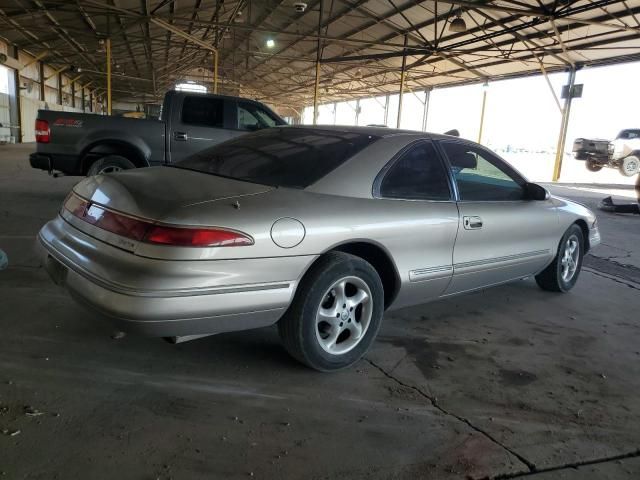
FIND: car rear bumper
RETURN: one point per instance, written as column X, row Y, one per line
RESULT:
column 168, row 298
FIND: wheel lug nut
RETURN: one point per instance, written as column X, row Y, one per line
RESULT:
column 344, row 305
column 341, row 323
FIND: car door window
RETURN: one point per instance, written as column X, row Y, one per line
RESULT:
column 251, row 117
column 418, row 174
column 481, row 176
column 203, row 111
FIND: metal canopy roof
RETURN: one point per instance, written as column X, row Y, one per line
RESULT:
column 362, row 42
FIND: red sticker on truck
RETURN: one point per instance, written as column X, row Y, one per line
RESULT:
column 68, row 122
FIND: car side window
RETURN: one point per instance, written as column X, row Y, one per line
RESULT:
column 252, row 118
column 203, row 111
column 481, row 176
column 418, row 174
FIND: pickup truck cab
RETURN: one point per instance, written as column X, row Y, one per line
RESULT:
column 89, row 144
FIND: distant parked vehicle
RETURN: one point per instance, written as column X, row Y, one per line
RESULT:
column 89, row 144
column 318, row 229
column 623, row 153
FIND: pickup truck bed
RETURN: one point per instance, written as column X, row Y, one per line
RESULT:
column 81, row 138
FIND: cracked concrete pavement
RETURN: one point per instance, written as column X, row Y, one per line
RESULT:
column 505, row 383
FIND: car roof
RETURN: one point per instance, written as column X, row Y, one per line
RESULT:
column 370, row 130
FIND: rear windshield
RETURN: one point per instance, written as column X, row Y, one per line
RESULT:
column 629, row 134
column 280, row 157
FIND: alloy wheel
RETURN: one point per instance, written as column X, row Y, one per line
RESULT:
column 109, row 169
column 344, row 315
column 570, row 257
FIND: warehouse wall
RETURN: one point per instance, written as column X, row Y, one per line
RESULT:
column 40, row 86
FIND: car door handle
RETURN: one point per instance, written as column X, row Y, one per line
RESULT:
column 180, row 136
column 472, row 223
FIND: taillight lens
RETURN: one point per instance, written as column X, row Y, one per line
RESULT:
column 43, row 134
column 196, row 237
column 148, row 232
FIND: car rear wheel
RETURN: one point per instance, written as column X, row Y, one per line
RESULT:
column 562, row 274
column 593, row 166
column 336, row 313
column 629, row 166
column 109, row 164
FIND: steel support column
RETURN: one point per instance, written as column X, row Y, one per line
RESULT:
column 402, row 80
column 108, row 45
column 215, row 71
column 386, row 109
column 485, row 87
column 15, row 104
column 42, row 80
column 59, row 88
column 316, row 87
column 425, row 111
column 562, row 136
column 82, row 99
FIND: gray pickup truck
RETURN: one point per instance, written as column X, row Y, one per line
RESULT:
column 89, row 144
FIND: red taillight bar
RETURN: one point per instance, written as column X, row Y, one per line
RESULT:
column 43, row 133
column 148, row 232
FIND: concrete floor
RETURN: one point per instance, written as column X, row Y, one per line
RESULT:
column 506, row 383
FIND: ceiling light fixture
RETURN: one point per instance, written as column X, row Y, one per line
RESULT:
column 270, row 43
column 458, row 24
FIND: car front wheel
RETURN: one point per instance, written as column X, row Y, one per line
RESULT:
column 336, row 313
column 562, row 274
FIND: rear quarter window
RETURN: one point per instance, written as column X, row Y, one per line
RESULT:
column 203, row 111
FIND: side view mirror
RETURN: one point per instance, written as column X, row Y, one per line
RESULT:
column 536, row 192
column 466, row 160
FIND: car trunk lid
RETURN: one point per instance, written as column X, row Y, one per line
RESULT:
column 153, row 193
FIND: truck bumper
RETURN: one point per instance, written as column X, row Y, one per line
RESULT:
column 38, row 160
column 67, row 164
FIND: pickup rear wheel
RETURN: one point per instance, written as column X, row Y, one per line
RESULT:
column 109, row 164
column 593, row 166
column 630, row 165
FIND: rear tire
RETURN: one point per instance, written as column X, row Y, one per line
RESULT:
column 337, row 284
column 629, row 166
column 562, row 274
column 109, row 164
column 593, row 166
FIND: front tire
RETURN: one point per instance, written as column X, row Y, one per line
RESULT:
column 593, row 166
column 629, row 166
column 335, row 314
column 562, row 274
column 109, row 164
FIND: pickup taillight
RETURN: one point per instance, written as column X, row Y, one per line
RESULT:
column 43, row 133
